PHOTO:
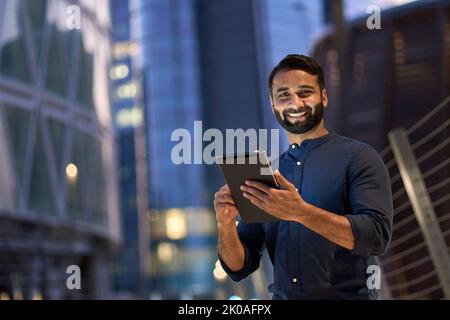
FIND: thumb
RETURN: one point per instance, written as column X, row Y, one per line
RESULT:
column 283, row 182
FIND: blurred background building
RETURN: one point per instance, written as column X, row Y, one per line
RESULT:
column 129, row 265
column 58, row 199
column 87, row 115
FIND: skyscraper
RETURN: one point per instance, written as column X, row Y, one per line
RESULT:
column 58, row 199
column 129, row 266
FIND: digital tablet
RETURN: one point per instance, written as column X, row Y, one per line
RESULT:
column 251, row 166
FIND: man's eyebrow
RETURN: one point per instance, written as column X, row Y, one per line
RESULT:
column 305, row 86
column 282, row 89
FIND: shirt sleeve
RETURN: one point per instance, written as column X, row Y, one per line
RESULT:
column 252, row 239
column 370, row 197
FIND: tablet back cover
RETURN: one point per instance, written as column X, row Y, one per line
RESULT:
column 235, row 176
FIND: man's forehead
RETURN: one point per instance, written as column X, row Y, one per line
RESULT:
column 294, row 78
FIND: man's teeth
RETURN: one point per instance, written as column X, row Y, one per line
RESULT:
column 297, row 115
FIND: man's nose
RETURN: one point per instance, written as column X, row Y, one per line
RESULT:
column 297, row 101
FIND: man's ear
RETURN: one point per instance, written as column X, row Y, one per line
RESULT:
column 324, row 98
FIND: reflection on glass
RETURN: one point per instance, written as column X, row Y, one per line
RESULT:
column 86, row 188
column 13, row 59
column 58, row 66
column 97, row 205
column 40, row 196
column 17, row 124
column 36, row 11
column 85, row 78
column 57, row 133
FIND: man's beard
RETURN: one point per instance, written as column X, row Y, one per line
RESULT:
column 298, row 126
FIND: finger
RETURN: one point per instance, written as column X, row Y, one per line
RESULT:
column 259, row 185
column 283, row 182
column 257, row 202
column 225, row 206
column 225, row 190
column 221, row 193
column 225, row 197
column 254, row 192
column 223, row 202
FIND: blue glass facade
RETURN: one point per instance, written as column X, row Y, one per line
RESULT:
column 127, row 275
column 172, row 94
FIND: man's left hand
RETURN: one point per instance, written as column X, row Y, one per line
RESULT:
column 285, row 203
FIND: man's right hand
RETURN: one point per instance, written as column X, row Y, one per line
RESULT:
column 230, row 247
column 226, row 211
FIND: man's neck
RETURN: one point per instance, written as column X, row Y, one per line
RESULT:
column 314, row 133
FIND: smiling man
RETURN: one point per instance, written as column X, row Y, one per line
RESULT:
column 335, row 202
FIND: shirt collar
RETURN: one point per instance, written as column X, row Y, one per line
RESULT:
column 311, row 143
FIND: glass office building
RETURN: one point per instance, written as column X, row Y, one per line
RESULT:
column 182, row 233
column 130, row 266
column 58, row 199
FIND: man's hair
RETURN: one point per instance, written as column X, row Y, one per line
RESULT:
column 299, row 62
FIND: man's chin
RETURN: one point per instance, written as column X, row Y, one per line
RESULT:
column 297, row 129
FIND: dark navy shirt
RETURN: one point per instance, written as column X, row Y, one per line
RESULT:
column 345, row 177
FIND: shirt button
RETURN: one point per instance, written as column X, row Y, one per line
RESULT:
column 294, row 280
column 299, row 163
column 293, row 146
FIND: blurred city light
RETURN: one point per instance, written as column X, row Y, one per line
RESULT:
column 4, row 296
column 37, row 296
column 119, row 72
column 176, row 226
column 122, row 50
column 129, row 117
column 126, row 91
column 71, row 171
column 219, row 274
column 166, row 251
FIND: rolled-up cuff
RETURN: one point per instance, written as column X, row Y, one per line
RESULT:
column 240, row 274
column 363, row 232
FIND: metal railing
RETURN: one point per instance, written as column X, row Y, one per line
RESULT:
column 417, row 265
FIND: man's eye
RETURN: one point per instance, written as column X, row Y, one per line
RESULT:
column 305, row 93
column 284, row 95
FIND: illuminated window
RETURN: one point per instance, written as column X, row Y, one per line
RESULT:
column 130, row 117
column 119, row 72
column 122, row 50
column 126, row 91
